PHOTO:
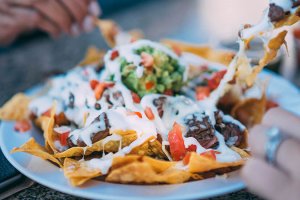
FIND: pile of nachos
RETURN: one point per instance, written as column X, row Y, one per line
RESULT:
column 149, row 112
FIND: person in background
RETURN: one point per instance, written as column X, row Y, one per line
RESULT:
column 52, row 16
column 273, row 172
column 55, row 17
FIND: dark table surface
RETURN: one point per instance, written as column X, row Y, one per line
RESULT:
column 28, row 63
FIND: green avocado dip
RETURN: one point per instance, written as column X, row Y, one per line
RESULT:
column 159, row 72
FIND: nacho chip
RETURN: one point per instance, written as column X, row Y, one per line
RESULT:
column 240, row 151
column 78, row 173
column 42, row 122
column 16, row 108
column 198, row 164
column 150, row 148
column 110, row 31
column 219, row 56
column 289, row 19
column 111, row 146
column 32, row 147
column 49, row 133
column 147, row 170
column 93, row 56
column 270, row 53
column 250, row 111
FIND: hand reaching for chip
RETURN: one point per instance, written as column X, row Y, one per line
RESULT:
column 52, row 16
column 273, row 171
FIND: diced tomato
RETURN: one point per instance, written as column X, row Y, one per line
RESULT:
column 22, row 126
column 109, row 84
column 192, row 148
column 216, row 78
column 149, row 113
column 133, row 39
column 135, row 97
column 135, row 113
column 114, row 54
column 147, row 60
column 177, row 50
column 271, row 104
column 177, row 148
column 63, row 138
column 149, row 85
column 202, row 92
column 94, row 83
column 47, row 113
column 99, row 90
column 186, row 158
column 168, row 92
column 211, row 154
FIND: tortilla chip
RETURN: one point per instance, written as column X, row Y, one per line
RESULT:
column 289, row 19
column 150, row 148
column 109, row 30
column 93, row 56
column 240, row 151
column 219, row 56
column 42, row 122
column 16, row 108
column 111, row 146
column 198, row 164
column 250, row 111
column 49, row 133
column 270, row 53
column 149, row 171
column 78, row 173
column 32, row 147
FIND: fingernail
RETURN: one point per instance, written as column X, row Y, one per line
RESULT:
column 94, row 8
column 88, row 24
column 75, row 31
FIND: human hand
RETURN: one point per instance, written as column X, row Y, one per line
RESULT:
column 281, row 181
column 52, row 16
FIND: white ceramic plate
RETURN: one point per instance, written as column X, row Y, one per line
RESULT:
column 47, row 174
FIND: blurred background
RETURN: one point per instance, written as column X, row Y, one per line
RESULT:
column 34, row 56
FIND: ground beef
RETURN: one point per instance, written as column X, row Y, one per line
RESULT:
column 296, row 3
column 201, row 129
column 232, row 133
column 96, row 136
column 71, row 100
column 276, row 13
column 159, row 103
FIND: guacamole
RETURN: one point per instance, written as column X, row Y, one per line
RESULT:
column 158, row 72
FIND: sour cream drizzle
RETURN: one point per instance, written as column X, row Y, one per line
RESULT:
column 176, row 109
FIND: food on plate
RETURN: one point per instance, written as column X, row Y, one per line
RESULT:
column 148, row 112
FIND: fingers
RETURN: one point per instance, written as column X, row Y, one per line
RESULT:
column 8, row 33
column 286, row 158
column 94, row 8
column 55, row 13
column 24, row 18
column 57, row 16
column 265, row 180
column 76, row 9
column 16, row 21
column 49, row 27
column 284, row 120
